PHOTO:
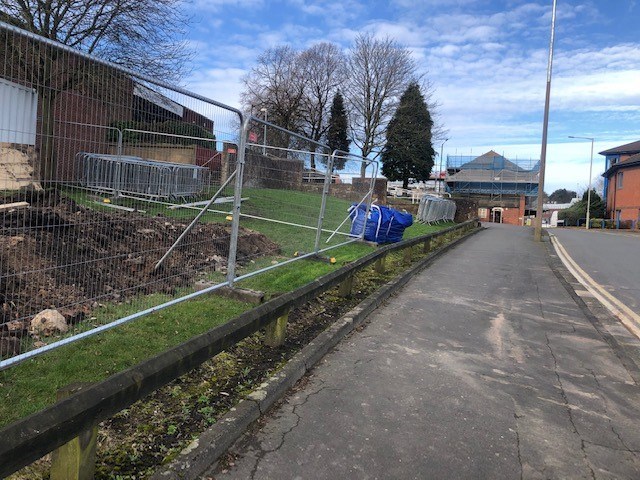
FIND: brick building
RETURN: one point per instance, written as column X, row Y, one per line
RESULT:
column 504, row 190
column 622, row 182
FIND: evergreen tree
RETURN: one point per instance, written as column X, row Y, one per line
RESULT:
column 562, row 195
column 408, row 153
column 337, row 137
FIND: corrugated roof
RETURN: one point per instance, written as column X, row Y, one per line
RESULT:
column 633, row 147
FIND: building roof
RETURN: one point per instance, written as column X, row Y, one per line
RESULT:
column 633, row 161
column 498, row 176
column 490, row 161
column 633, row 147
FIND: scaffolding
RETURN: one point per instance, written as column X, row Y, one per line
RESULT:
column 492, row 174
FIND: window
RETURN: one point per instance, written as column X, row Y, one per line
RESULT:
column 620, row 179
column 483, row 212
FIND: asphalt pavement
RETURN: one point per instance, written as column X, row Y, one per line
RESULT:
column 482, row 367
column 610, row 257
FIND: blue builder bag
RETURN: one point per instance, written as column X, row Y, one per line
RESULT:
column 382, row 225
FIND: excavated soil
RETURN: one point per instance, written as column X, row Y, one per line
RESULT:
column 63, row 255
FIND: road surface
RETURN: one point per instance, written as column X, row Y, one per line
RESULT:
column 611, row 258
column 482, row 367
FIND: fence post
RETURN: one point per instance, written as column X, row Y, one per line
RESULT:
column 237, row 203
column 346, row 287
column 276, row 330
column 381, row 264
column 426, row 246
column 76, row 459
column 407, row 255
column 323, row 206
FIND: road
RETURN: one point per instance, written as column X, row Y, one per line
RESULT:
column 611, row 258
column 483, row 366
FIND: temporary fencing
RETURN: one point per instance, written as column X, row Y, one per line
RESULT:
column 434, row 209
column 124, row 195
column 120, row 174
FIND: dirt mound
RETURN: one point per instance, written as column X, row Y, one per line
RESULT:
column 63, row 255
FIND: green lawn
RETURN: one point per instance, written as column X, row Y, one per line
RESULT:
column 32, row 385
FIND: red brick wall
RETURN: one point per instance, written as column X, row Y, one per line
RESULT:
column 627, row 198
column 512, row 214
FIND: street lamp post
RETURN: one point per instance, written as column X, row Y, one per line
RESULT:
column 590, row 174
column 264, row 135
column 537, row 233
column 440, row 169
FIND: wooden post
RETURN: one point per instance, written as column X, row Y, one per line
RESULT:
column 426, row 246
column 76, row 459
column 381, row 264
column 276, row 331
column 407, row 255
column 346, row 287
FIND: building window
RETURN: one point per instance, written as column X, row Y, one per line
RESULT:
column 483, row 212
column 620, row 179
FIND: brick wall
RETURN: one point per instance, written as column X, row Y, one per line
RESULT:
column 513, row 208
column 627, row 198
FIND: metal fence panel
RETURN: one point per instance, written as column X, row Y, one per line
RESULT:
column 435, row 209
column 96, row 188
column 134, row 195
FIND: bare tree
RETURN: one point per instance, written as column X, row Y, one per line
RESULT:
column 323, row 67
column 379, row 72
column 276, row 85
column 138, row 34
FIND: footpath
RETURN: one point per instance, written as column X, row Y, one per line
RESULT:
column 483, row 366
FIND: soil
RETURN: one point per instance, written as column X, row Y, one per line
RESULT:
column 63, row 255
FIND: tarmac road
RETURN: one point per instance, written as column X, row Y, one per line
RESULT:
column 482, row 367
column 611, row 258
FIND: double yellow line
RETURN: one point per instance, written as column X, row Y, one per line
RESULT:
column 628, row 317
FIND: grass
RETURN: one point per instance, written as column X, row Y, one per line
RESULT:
column 31, row 386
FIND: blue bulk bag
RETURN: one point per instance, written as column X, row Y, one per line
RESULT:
column 383, row 225
column 399, row 221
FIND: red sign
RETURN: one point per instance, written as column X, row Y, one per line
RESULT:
column 232, row 150
column 253, row 137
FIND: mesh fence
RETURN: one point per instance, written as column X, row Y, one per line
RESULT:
column 122, row 195
column 94, row 163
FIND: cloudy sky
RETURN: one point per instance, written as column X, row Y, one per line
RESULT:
column 487, row 60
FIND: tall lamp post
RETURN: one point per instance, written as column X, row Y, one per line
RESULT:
column 264, row 135
column 537, row 232
column 440, row 169
column 590, row 174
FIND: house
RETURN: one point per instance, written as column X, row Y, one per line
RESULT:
column 505, row 190
column 622, row 183
column 74, row 104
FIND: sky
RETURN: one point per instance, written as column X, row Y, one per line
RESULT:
column 487, row 61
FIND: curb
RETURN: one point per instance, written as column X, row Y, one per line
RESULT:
column 200, row 454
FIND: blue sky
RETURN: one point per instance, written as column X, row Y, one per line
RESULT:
column 486, row 59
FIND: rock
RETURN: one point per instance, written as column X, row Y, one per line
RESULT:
column 48, row 322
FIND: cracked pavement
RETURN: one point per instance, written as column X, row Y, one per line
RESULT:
column 483, row 366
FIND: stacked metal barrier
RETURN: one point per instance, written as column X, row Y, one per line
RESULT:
column 435, row 209
column 121, row 174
